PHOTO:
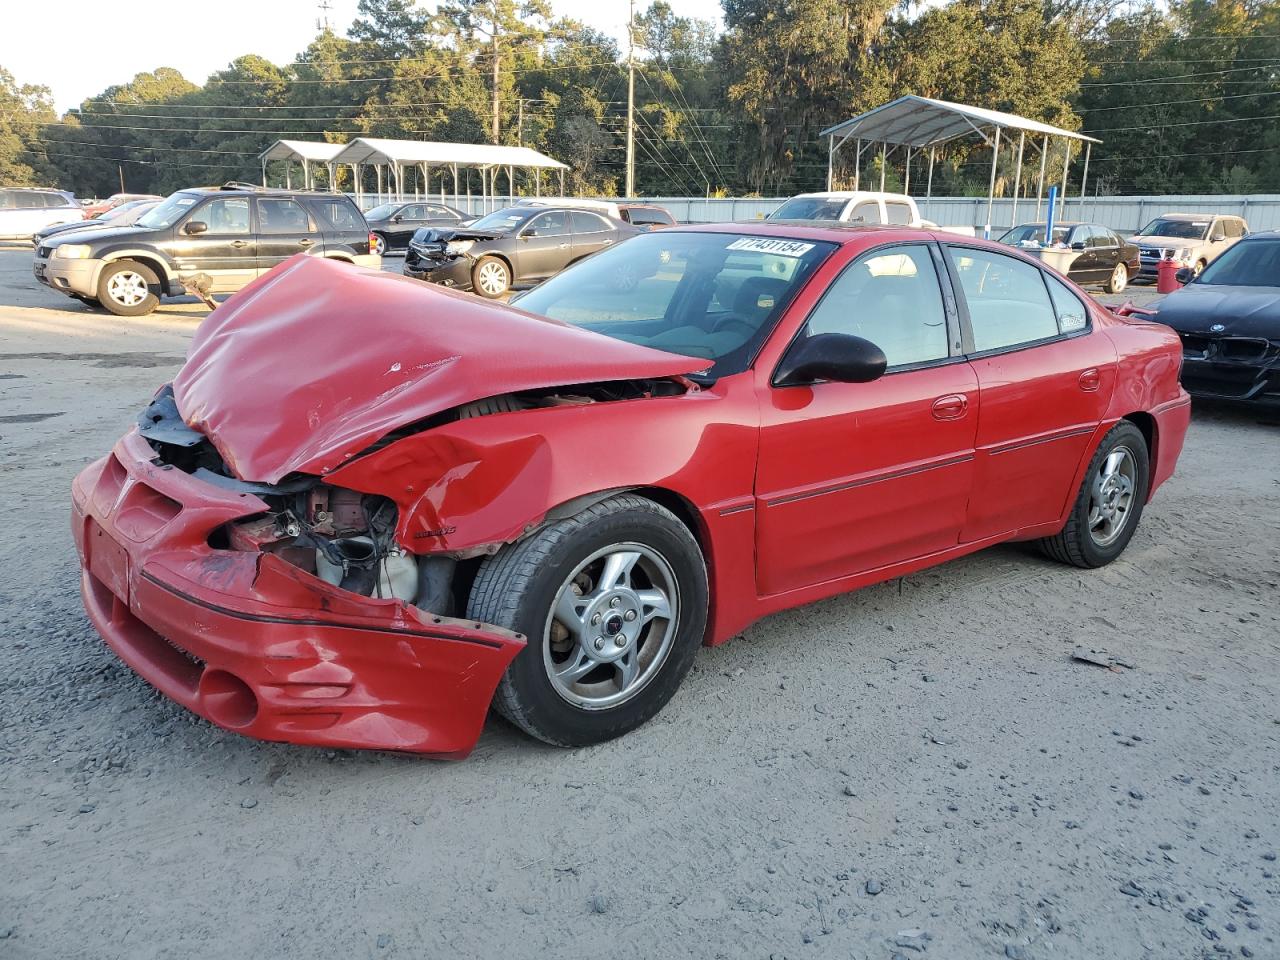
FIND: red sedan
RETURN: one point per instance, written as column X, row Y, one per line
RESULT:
column 368, row 509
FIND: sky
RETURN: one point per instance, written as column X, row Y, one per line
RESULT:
column 90, row 44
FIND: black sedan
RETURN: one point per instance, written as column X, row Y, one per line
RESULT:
column 125, row 215
column 515, row 246
column 392, row 224
column 1088, row 253
column 1229, row 321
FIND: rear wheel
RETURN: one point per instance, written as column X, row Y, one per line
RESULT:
column 128, row 289
column 491, row 278
column 379, row 245
column 614, row 604
column 1109, row 504
column 1119, row 279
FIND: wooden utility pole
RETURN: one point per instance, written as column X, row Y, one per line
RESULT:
column 631, row 101
column 494, row 41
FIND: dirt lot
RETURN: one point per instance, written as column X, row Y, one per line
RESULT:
column 918, row 769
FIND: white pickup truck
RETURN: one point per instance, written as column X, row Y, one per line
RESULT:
column 859, row 206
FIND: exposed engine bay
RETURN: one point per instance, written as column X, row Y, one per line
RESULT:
column 344, row 537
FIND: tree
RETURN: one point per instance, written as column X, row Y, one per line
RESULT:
column 389, row 30
column 24, row 110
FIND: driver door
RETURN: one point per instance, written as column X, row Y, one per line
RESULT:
column 853, row 477
column 226, row 250
column 544, row 246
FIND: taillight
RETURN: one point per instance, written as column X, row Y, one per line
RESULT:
column 373, row 241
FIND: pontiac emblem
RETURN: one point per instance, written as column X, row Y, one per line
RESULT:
column 1217, row 328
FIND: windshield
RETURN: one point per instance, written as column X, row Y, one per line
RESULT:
column 382, row 212
column 1180, row 229
column 810, row 208
column 710, row 295
column 500, row 221
column 170, row 212
column 1032, row 235
column 1253, row 263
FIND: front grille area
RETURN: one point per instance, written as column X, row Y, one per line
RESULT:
column 1246, row 350
column 42, row 253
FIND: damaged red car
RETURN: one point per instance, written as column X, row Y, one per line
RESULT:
column 368, row 509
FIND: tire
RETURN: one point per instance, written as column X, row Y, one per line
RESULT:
column 566, row 565
column 380, row 245
column 491, row 277
column 1119, row 279
column 128, row 289
column 1198, row 268
column 1089, row 539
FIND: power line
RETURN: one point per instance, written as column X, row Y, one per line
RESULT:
column 1173, row 103
column 1185, row 123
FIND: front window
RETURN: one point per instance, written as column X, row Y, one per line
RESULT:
column 710, row 295
column 502, row 221
column 1177, row 229
column 810, row 208
column 170, row 212
column 1251, row 263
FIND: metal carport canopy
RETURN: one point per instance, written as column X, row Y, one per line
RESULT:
column 919, row 123
column 315, row 151
column 922, row 122
column 393, row 152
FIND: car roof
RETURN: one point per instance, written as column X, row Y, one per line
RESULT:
column 831, row 231
column 1194, row 216
column 853, row 194
column 246, row 189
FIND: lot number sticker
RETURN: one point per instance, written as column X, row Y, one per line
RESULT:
column 782, row 248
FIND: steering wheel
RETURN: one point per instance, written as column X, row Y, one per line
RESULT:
column 733, row 320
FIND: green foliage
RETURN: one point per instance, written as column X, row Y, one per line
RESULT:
column 1184, row 97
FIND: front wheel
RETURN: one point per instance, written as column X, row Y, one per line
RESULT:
column 1109, row 504
column 613, row 602
column 1119, row 279
column 491, row 278
column 128, row 289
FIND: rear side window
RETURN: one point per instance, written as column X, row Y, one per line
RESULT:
column 866, row 212
column 897, row 213
column 30, row 201
column 587, row 223
column 441, row 213
column 338, row 215
column 1232, row 228
column 1008, row 302
column 647, row 217
column 890, row 297
column 282, row 216
column 54, row 200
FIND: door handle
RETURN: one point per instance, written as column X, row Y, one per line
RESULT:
column 564, row 246
column 239, row 243
column 305, row 242
column 1090, row 380
column 951, row 407
column 606, row 243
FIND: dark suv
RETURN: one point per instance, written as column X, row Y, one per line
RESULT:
column 205, row 240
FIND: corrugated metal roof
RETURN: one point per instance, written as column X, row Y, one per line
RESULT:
column 313, row 150
column 374, row 150
column 923, row 122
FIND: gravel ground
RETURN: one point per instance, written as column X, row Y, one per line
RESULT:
column 916, row 769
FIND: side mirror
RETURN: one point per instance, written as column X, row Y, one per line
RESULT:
column 531, row 232
column 1185, row 275
column 840, row 357
column 195, row 227
column 397, row 218
column 1218, row 237
column 1077, row 245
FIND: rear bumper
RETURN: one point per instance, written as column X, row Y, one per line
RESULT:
column 1172, row 420
column 260, row 647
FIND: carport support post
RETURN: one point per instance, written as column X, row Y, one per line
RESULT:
column 264, row 171
column 884, row 161
column 288, row 175
column 1066, row 163
column 1017, row 179
column 906, row 179
column 991, row 189
column 455, row 184
column 831, row 156
column 1084, row 177
column 857, row 165
column 928, row 193
column 1044, row 157
column 562, row 181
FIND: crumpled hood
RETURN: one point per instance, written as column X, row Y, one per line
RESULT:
column 1242, row 311
column 310, row 364
column 445, row 234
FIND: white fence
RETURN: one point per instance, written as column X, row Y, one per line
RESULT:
column 1123, row 214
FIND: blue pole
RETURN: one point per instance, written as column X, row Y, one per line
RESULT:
column 1048, row 226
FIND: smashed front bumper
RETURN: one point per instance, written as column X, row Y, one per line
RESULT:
column 1226, row 367
column 256, row 645
column 452, row 272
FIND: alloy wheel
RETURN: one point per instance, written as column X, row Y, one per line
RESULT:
column 1119, row 278
column 1111, row 496
column 492, row 278
column 611, row 626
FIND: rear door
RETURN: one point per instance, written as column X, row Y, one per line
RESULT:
column 284, row 228
column 590, row 233
column 342, row 228
column 1044, row 382
column 226, row 250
